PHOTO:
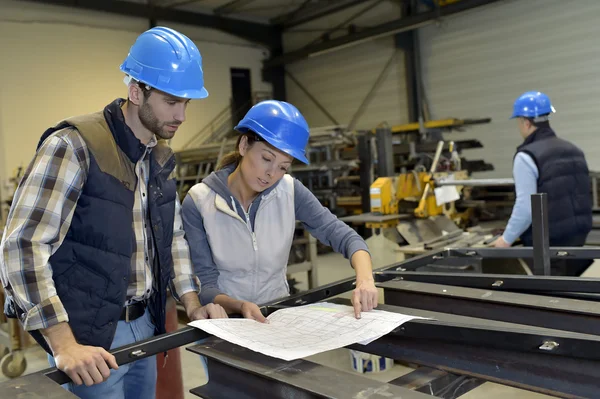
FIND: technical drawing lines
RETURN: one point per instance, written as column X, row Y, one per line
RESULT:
column 297, row 332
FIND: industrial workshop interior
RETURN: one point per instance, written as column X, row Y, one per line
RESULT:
column 299, row 199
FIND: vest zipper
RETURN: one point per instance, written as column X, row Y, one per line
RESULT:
column 248, row 224
column 254, row 243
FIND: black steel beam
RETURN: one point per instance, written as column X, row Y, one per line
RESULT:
column 296, row 18
column 500, row 282
column 518, row 338
column 276, row 75
column 389, row 28
column 339, row 287
column 446, row 327
column 525, row 252
column 256, row 32
column 534, row 310
column 551, row 375
column 408, row 42
column 365, row 172
column 541, row 234
column 237, row 372
column 141, row 349
column 439, row 257
column 385, row 154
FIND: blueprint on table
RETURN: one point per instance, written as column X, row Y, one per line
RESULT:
column 296, row 332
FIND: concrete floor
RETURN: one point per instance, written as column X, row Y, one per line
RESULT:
column 331, row 267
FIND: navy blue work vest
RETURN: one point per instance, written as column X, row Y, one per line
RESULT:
column 564, row 177
column 91, row 267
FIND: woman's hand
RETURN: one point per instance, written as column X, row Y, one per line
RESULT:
column 251, row 311
column 365, row 296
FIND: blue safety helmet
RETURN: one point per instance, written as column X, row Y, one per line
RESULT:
column 533, row 104
column 280, row 124
column 168, row 61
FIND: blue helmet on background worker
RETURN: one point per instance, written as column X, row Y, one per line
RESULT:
column 279, row 124
column 168, row 61
column 533, row 104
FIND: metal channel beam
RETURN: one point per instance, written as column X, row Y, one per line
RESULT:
column 242, row 373
column 445, row 327
column 500, row 282
column 387, row 29
column 142, row 349
column 551, row 375
column 339, row 287
column 256, row 32
column 534, row 310
column 525, row 252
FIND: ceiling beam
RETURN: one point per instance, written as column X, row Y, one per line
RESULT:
column 291, row 15
column 231, row 7
column 255, row 32
column 173, row 3
column 308, row 14
column 386, row 29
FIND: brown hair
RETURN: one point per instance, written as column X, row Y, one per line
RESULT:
column 234, row 157
column 146, row 90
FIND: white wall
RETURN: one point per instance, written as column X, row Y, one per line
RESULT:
column 477, row 63
column 340, row 80
column 59, row 62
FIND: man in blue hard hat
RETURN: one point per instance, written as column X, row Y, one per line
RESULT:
column 94, row 236
column 545, row 163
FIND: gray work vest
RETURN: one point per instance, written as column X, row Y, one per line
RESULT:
column 252, row 264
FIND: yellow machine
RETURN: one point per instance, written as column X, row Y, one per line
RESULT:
column 387, row 193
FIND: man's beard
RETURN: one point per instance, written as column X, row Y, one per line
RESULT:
column 151, row 122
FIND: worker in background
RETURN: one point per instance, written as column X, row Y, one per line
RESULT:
column 545, row 163
column 94, row 235
column 240, row 220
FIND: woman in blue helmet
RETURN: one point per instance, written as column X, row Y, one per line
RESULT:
column 240, row 220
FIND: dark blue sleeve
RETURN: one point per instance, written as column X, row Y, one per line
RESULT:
column 324, row 225
column 201, row 255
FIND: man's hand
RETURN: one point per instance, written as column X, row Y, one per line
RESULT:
column 500, row 243
column 82, row 363
column 251, row 311
column 197, row 312
column 210, row 311
column 365, row 296
column 87, row 364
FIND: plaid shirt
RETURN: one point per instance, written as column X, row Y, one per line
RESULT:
column 40, row 217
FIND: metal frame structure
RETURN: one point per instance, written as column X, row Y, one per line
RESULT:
column 515, row 330
column 522, row 331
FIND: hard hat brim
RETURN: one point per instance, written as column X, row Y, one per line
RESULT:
column 279, row 145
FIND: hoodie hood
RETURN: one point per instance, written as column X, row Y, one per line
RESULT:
column 217, row 181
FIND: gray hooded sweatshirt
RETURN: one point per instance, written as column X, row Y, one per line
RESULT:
column 245, row 254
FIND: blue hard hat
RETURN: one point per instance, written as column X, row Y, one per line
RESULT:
column 168, row 61
column 280, row 124
column 532, row 104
